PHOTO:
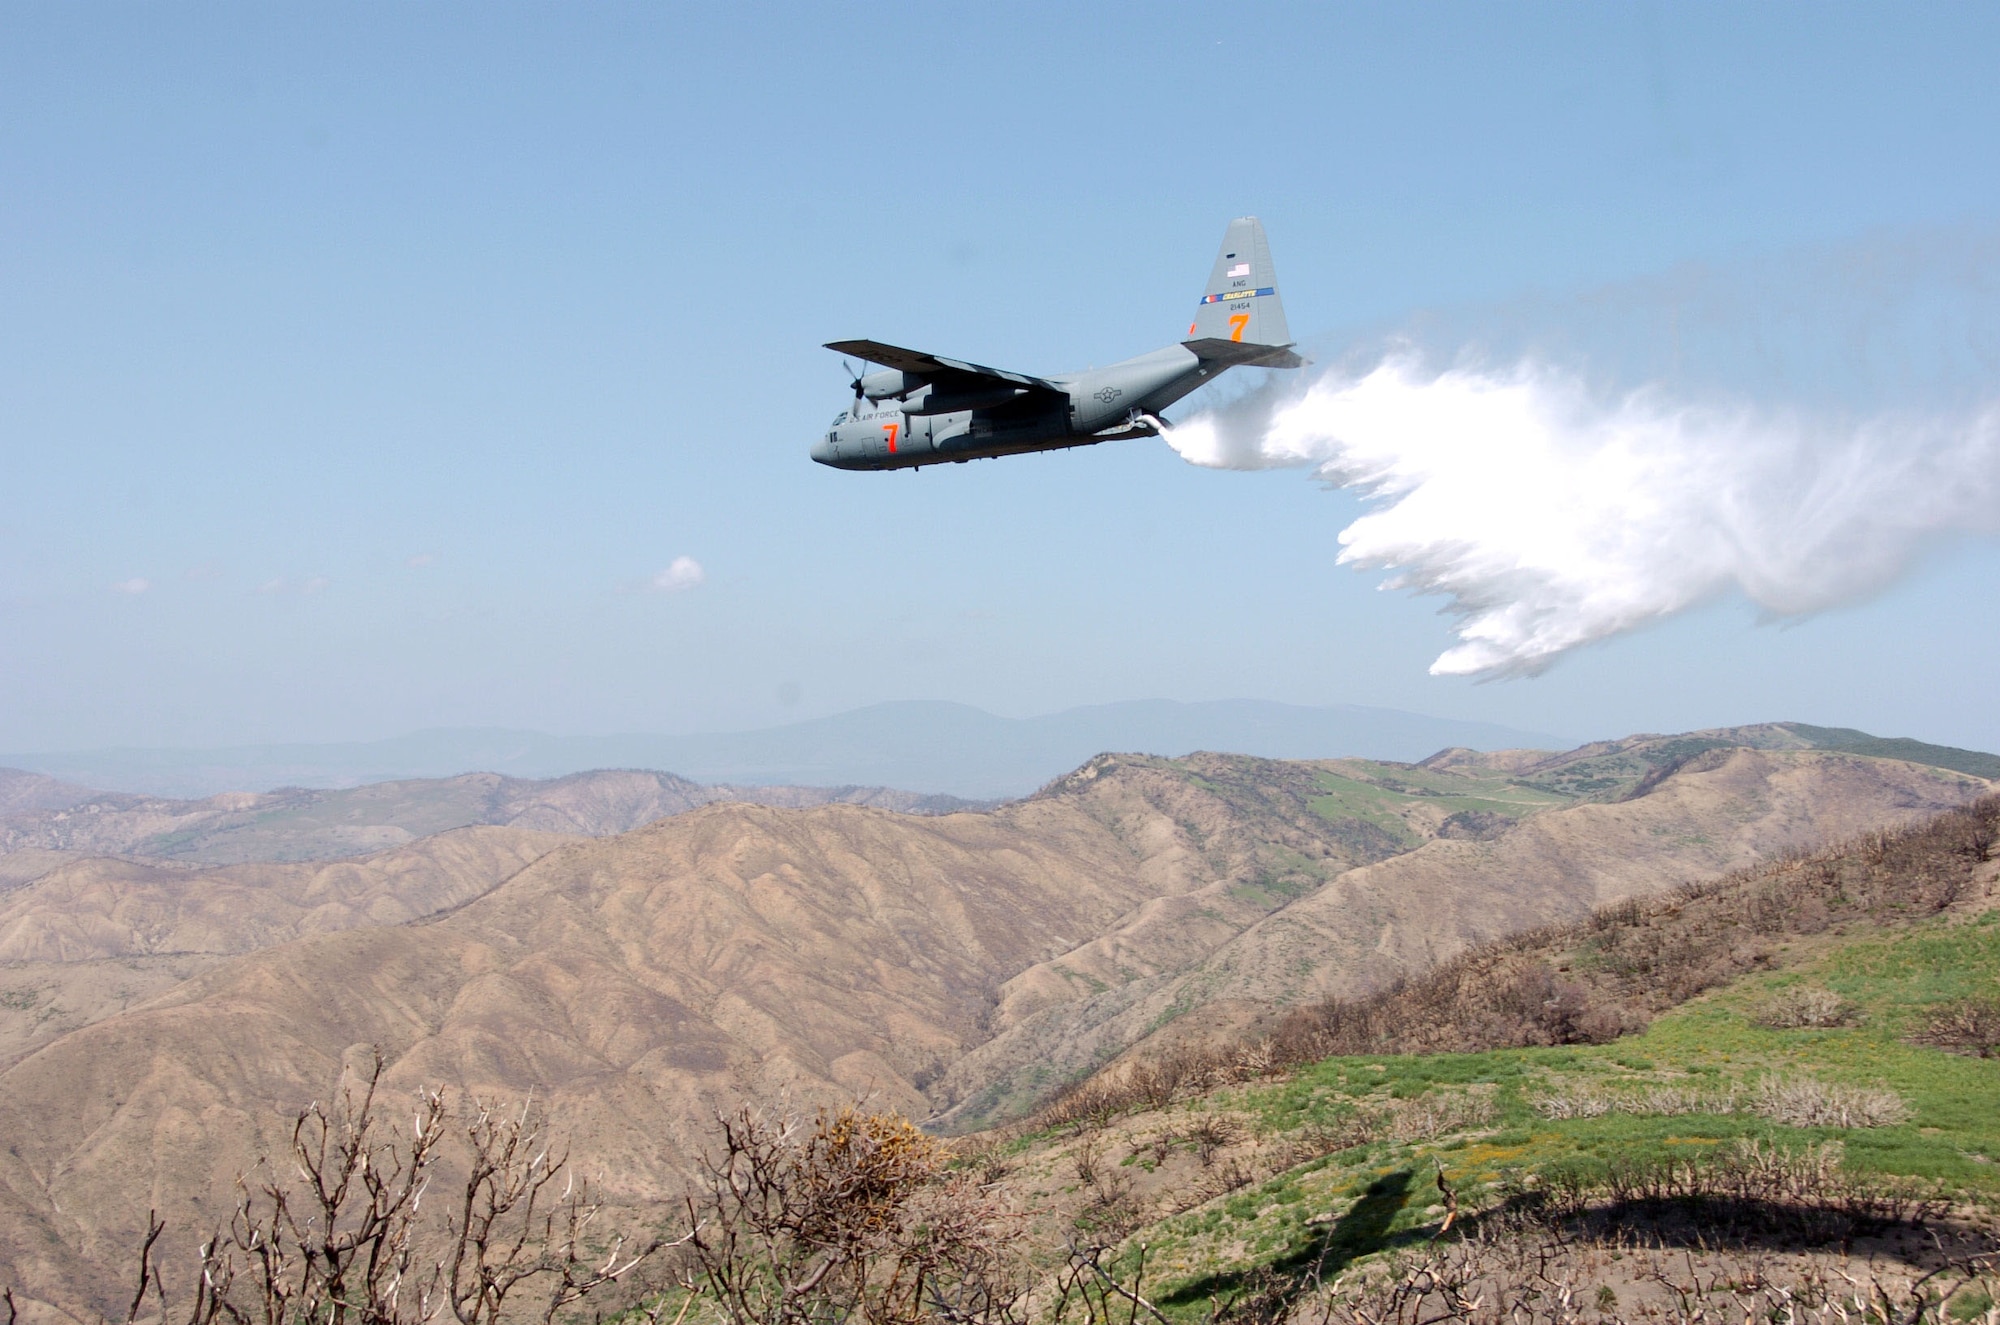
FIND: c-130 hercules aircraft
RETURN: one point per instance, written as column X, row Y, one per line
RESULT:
column 927, row 410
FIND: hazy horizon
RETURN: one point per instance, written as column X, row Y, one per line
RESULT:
column 913, row 745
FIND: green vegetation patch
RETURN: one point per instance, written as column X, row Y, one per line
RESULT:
column 1383, row 794
column 1711, row 1058
column 1848, row 740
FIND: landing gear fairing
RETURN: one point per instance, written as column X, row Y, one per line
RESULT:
column 924, row 409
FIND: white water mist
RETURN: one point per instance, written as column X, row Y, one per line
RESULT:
column 1549, row 517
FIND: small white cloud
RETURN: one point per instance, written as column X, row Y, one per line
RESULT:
column 272, row 586
column 314, row 584
column 681, row 573
column 421, row 560
column 139, row 585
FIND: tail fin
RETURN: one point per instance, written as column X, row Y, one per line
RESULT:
column 1240, row 319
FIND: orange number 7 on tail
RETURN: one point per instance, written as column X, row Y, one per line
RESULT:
column 1238, row 321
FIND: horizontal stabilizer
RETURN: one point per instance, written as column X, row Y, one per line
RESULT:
column 1232, row 353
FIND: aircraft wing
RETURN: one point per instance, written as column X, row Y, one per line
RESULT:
column 938, row 368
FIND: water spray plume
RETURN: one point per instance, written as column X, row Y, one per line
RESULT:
column 1550, row 517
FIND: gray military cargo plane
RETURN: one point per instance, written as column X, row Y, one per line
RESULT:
column 929, row 410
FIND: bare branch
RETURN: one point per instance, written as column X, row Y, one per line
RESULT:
column 149, row 1276
column 347, row 1238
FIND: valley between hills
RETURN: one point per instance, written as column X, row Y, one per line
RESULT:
column 176, row 978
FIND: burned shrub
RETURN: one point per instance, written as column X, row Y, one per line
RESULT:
column 1965, row 1025
column 1805, row 1007
column 849, row 1217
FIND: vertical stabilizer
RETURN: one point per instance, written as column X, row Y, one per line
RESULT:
column 1240, row 301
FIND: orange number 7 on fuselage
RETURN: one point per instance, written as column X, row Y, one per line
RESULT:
column 893, row 428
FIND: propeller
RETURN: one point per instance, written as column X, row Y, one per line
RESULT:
column 849, row 370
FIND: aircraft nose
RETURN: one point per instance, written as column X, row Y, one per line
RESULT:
column 822, row 451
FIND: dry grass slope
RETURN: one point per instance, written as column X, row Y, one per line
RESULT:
column 93, row 937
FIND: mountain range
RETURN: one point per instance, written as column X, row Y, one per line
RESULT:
column 952, row 749
column 295, row 823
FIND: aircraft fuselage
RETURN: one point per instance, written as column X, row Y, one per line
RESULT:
column 923, row 429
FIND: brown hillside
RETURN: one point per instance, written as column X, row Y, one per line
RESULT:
column 632, row 982
column 95, row 936
column 1722, row 811
column 19, row 867
column 1718, row 811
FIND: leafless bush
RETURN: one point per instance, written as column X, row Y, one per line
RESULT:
column 1209, row 1134
column 851, row 1219
column 856, row 1219
column 1090, row 1104
column 1259, row 1058
column 1674, row 1100
column 1156, row 1083
column 1791, row 1102
column 1488, row 997
column 1087, row 1104
column 1663, row 1101
column 1094, row 1102
column 1087, row 1155
column 1233, row 1174
column 1804, row 1006
column 984, row 1156
column 1084, row 1292
column 1562, row 1105
column 348, row 1239
column 1354, row 1129
column 1440, row 1114
column 1110, row 1210
column 1966, row 1025
column 1748, row 1171
column 1808, row 1102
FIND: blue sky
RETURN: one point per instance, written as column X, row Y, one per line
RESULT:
column 397, row 348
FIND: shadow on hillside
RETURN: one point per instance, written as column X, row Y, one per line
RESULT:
column 1362, row 1231
column 1912, row 1230
column 1916, row 1231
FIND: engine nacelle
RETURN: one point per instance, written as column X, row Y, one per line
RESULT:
column 887, row 383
